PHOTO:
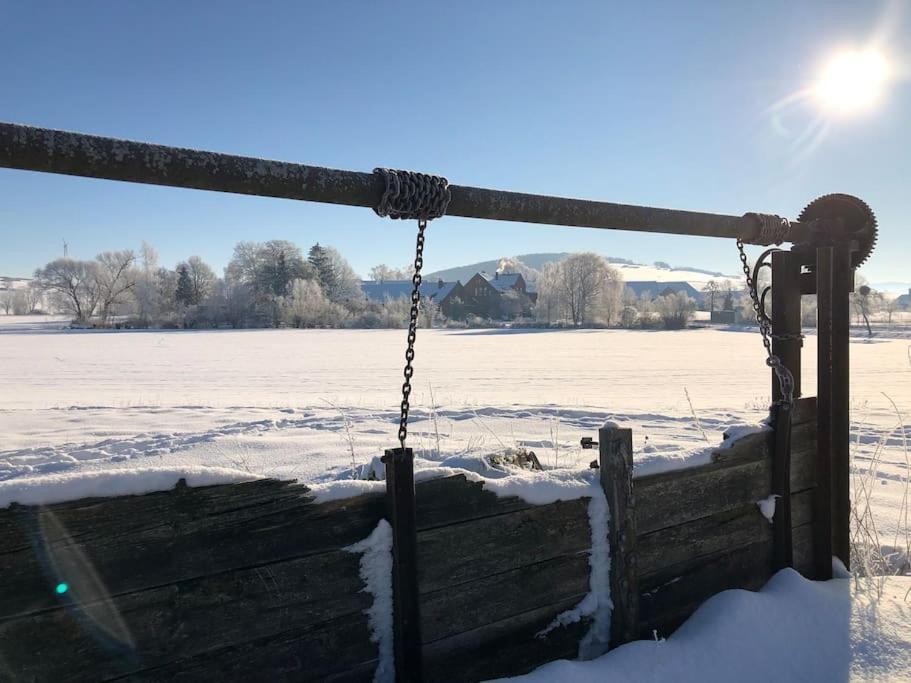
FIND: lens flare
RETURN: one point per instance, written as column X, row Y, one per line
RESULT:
column 852, row 82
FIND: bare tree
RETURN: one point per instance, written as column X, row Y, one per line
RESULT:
column 863, row 299
column 74, row 284
column 202, row 279
column 890, row 306
column 676, row 310
column 6, row 299
column 711, row 288
column 582, row 279
column 384, row 273
column 116, row 278
column 549, row 307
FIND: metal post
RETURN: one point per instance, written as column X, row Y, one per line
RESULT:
column 400, row 500
column 786, row 344
column 616, row 467
column 822, row 500
column 842, row 286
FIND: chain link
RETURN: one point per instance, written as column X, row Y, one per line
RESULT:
column 412, row 331
column 784, row 375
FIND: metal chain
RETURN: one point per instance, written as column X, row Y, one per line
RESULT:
column 784, row 375
column 412, row 331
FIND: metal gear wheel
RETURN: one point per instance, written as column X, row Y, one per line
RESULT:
column 858, row 220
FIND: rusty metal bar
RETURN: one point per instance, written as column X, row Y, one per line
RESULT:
column 842, row 286
column 822, row 495
column 53, row 151
column 786, row 343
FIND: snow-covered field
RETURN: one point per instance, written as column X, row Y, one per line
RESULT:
column 320, row 405
column 97, row 413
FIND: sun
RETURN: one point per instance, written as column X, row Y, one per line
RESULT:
column 852, row 82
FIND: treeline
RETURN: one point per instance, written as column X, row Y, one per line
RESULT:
column 274, row 284
column 266, row 284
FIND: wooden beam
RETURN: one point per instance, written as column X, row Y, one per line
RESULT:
column 616, row 464
column 400, row 500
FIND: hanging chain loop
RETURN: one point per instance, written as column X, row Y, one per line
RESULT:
column 410, row 195
column 784, row 375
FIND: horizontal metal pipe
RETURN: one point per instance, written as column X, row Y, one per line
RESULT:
column 53, row 151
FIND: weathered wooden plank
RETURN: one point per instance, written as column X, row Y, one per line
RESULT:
column 181, row 620
column 616, row 466
column 179, row 544
column 330, row 651
column 469, row 551
column 449, row 611
column 708, row 536
column 741, row 477
column 504, row 648
column 670, row 596
column 804, row 411
column 803, row 549
column 449, row 500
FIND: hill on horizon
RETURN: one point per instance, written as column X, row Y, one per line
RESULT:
column 630, row 270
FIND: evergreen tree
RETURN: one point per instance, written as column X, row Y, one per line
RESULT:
column 184, row 293
column 325, row 271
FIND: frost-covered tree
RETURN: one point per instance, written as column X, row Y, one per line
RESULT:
column 550, row 304
column 116, row 279
column 675, row 310
column 74, row 286
column 202, row 279
column 711, row 289
column 582, row 279
column 308, row 306
column 342, row 285
column 384, row 273
column 6, row 300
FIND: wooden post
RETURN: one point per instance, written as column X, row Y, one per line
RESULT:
column 400, row 501
column 842, row 286
column 616, row 466
column 786, row 344
column 822, row 497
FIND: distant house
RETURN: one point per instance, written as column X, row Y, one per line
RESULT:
column 904, row 301
column 446, row 295
column 654, row 289
column 485, row 293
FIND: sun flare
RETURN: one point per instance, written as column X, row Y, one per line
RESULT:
column 852, row 82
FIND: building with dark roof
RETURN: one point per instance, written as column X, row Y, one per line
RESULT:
column 446, row 295
column 487, row 295
column 653, row 289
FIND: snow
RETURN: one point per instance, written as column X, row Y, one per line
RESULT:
column 376, row 572
column 59, row 487
column 767, row 506
column 597, row 603
column 320, row 406
column 638, row 272
column 791, row 630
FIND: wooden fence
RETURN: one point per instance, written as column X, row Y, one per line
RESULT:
column 252, row 581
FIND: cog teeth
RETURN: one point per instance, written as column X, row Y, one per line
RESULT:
column 867, row 234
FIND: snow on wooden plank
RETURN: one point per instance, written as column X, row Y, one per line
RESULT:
column 741, row 476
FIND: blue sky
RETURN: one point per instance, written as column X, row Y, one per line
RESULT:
column 663, row 104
